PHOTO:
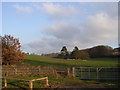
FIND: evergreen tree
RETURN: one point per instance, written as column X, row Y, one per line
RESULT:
column 75, row 53
column 64, row 53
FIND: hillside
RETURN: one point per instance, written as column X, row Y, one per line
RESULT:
column 96, row 62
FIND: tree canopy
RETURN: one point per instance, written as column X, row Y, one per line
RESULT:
column 77, row 54
column 64, row 53
column 100, row 51
column 11, row 52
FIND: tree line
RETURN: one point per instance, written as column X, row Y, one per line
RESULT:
column 75, row 54
column 94, row 52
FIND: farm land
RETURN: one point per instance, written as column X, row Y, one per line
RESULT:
column 60, row 81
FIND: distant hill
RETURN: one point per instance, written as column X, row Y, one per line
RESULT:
column 51, row 55
column 102, row 51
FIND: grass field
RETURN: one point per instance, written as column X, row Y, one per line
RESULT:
column 60, row 83
column 96, row 62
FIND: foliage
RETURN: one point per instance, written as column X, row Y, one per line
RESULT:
column 77, row 54
column 64, row 53
column 100, row 51
column 75, row 48
column 116, row 52
column 84, row 55
column 11, row 52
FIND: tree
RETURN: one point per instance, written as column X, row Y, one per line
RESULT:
column 100, row 51
column 11, row 52
column 75, row 48
column 64, row 53
column 84, row 55
column 77, row 54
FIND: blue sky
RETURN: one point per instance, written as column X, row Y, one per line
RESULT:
column 46, row 27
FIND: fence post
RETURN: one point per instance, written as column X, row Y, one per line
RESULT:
column 89, row 72
column 97, row 73
column 39, row 68
column 30, row 85
column 81, row 73
column 68, row 72
column 5, row 82
column 15, row 70
column 73, row 71
column 47, row 81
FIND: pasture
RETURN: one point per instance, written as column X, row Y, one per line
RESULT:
column 60, row 83
column 57, row 79
column 93, row 62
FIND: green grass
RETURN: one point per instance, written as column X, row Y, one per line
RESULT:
column 64, row 82
column 53, row 81
column 96, row 62
column 59, row 83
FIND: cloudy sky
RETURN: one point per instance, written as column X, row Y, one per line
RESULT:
column 47, row 27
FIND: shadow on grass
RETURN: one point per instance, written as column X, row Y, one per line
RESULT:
column 17, row 84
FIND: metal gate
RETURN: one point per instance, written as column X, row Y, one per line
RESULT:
column 105, row 73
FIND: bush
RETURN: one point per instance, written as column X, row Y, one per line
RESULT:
column 84, row 55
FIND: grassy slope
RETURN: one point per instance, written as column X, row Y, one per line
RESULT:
column 98, row 62
column 64, row 82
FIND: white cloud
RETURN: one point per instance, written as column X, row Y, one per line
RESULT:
column 25, row 9
column 44, row 45
column 98, row 29
column 57, row 11
column 101, row 27
column 64, row 30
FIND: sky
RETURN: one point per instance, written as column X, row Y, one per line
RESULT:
column 45, row 27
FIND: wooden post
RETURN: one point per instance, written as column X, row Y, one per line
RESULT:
column 30, row 85
column 15, row 70
column 73, row 70
column 89, row 73
column 5, row 82
column 56, row 73
column 6, row 73
column 81, row 72
column 39, row 68
column 68, row 72
column 47, row 81
column 97, row 73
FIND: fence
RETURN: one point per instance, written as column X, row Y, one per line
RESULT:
column 101, row 73
column 30, row 81
column 27, row 70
